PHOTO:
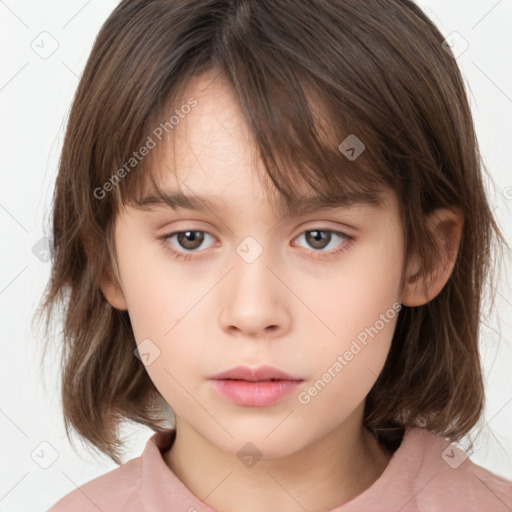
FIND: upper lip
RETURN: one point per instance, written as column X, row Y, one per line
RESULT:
column 254, row 374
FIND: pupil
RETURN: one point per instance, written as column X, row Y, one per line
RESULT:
column 318, row 239
column 190, row 239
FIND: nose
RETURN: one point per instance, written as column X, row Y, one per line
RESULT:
column 255, row 303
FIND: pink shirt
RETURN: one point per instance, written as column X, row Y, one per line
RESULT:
column 424, row 474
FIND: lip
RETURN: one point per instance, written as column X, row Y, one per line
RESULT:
column 254, row 374
column 255, row 387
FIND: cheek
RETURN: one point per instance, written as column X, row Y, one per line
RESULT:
column 350, row 361
column 359, row 307
column 363, row 287
column 163, row 320
column 152, row 306
column 164, row 305
column 156, row 292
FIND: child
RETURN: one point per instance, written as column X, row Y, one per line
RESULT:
column 212, row 148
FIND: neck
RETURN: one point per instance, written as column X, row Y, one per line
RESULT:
column 321, row 476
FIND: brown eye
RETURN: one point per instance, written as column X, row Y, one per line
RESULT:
column 186, row 244
column 318, row 239
column 190, row 240
column 324, row 243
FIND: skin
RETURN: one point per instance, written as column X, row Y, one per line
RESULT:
column 290, row 308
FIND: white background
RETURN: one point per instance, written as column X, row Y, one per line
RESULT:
column 35, row 97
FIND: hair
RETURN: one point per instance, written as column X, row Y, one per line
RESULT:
column 306, row 74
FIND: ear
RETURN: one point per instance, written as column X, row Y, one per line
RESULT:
column 446, row 228
column 112, row 292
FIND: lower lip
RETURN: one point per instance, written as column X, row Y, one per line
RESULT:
column 255, row 394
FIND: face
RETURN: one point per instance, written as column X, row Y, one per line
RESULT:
column 314, row 296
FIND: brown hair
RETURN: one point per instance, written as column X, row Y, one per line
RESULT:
column 379, row 70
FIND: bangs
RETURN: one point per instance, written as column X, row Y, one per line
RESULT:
column 311, row 159
column 299, row 109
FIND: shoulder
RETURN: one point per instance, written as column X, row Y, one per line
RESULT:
column 145, row 480
column 444, row 477
column 110, row 492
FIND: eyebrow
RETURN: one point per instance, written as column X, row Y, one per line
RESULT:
column 306, row 204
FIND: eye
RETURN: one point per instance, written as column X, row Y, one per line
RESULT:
column 325, row 242
column 185, row 242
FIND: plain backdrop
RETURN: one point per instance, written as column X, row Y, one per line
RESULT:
column 37, row 83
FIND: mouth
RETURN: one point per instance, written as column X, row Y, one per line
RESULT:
column 255, row 387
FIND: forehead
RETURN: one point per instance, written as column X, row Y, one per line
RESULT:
column 212, row 151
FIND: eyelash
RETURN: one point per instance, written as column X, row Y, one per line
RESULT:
column 323, row 255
